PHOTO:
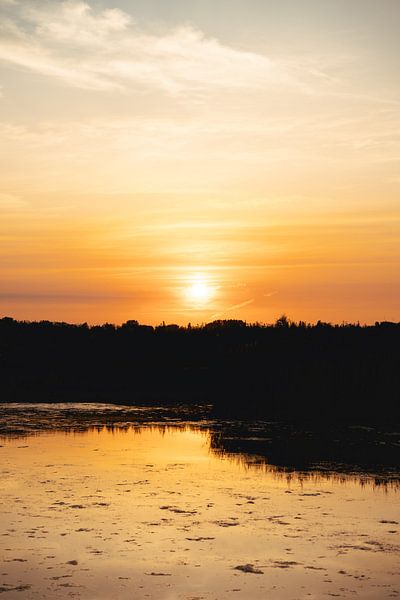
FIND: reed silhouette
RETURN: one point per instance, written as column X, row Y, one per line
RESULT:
column 367, row 454
column 283, row 370
column 339, row 451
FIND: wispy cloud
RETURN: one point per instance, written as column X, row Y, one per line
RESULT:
column 105, row 50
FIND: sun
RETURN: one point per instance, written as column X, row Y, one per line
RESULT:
column 199, row 291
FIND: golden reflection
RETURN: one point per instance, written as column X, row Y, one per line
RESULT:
column 188, row 431
column 197, row 442
column 137, row 511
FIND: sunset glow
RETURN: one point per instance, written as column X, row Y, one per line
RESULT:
column 145, row 143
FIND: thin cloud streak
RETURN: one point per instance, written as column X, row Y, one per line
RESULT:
column 105, row 50
column 232, row 308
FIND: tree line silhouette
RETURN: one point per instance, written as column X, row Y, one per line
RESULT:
column 283, row 370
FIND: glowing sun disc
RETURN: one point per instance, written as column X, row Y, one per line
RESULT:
column 199, row 291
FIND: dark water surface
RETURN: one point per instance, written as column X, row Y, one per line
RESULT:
column 114, row 502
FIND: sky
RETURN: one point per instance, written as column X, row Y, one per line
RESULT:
column 192, row 160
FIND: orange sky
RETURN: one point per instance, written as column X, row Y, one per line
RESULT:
column 181, row 167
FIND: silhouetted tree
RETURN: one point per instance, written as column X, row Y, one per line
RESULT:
column 285, row 369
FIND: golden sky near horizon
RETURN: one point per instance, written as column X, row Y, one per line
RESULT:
column 191, row 160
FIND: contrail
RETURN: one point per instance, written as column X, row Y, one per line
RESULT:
column 234, row 307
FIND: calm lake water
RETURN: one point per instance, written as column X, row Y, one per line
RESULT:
column 105, row 502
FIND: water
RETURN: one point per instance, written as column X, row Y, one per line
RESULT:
column 105, row 502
